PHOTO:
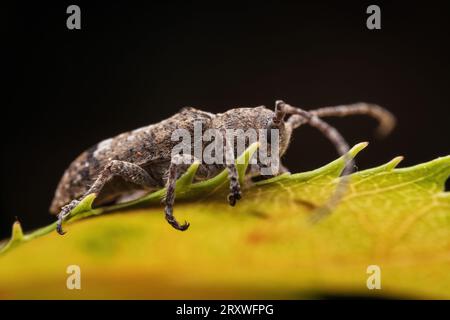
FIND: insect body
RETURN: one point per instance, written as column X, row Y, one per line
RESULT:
column 122, row 167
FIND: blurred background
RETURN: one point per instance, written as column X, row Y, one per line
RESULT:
column 131, row 65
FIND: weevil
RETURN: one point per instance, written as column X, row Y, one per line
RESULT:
column 132, row 163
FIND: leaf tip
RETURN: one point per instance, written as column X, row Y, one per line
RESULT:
column 17, row 232
column 357, row 148
column 243, row 160
column 186, row 179
column 17, row 237
column 90, row 199
column 84, row 205
column 394, row 162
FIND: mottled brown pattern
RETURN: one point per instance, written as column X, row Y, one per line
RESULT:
column 141, row 159
column 149, row 147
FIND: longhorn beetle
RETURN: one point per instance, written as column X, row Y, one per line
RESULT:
column 138, row 161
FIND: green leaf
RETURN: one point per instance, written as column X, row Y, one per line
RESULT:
column 265, row 247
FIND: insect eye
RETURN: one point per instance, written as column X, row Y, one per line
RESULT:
column 272, row 124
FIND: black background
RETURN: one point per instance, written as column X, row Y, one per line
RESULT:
column 287, row 309
column 131, row 65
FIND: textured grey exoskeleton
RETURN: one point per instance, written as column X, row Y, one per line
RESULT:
column 120, row 168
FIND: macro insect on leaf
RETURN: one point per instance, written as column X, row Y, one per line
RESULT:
column 126, row 166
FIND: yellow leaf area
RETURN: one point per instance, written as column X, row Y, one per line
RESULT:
column 263, row 248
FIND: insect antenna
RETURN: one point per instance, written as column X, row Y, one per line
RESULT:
column 385, row 118
column 302, row 116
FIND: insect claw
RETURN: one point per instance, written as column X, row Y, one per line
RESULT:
column 174, row 223
column 233, row 197
column 62, row 216
column 231, row 200
column 184, row 226
column 59, row 228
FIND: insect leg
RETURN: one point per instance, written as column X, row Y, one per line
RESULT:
column 313, row 120
column 233, row 176
column 332, row 134
column 128, row 171
column 178, row 165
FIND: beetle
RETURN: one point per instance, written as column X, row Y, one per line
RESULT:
column 123, row 167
